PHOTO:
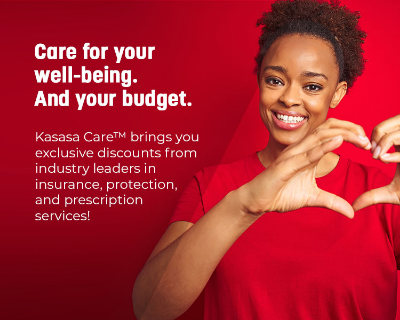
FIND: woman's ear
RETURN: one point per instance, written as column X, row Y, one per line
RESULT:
column 340, row 91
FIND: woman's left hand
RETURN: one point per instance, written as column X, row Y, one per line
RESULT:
column 384, row 136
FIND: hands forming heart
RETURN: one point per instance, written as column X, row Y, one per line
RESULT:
column 289, row 182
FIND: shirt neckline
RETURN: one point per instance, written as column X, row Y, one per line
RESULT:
column 321, row 181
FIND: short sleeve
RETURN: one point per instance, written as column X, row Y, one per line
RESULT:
column 190, row 206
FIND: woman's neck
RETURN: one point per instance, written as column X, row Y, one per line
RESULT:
column 273, row 150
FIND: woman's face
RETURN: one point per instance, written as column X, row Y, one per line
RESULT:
column 298, row 83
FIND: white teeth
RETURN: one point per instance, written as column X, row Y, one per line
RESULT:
column 289, row 119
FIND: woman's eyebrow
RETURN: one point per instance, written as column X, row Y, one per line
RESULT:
column 276, row 68
column 307, row 74
column 310, row 74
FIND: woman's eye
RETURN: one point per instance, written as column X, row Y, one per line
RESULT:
column 313, row 87
column 273, row 81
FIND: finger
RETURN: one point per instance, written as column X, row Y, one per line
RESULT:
column 348, row 136
column 387, row 126
column 331, row 201
column 351, row 132
column 319, row 136
column 375, row 196
column 390, row 157
column 292, row 165
column 387, row 141
column 350, row 126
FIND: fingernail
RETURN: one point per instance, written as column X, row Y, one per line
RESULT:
column 368, row 146
column 373, row 146
column 385, row 155
column 363, row 137
column 336, row 138
column 377, row 151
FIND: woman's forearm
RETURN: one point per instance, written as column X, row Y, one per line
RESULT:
column 172, row 280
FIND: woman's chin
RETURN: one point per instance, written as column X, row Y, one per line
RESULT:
column 287, row 140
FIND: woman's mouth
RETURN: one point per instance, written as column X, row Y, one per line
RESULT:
column 288, row 121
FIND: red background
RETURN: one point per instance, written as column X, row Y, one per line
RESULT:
column 86, row 270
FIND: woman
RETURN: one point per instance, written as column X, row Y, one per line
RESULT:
column 267, row 236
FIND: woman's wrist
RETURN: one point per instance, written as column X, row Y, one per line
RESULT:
column 242, row 205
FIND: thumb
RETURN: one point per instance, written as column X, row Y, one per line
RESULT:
column 375, row 196
column 331, row 201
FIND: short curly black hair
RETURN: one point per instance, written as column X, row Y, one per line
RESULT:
column 326, row 20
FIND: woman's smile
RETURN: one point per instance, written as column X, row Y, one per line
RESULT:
column 288, row 120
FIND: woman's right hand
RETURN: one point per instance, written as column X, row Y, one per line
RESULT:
column 289, row 182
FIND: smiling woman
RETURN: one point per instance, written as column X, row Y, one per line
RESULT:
column 268, row 237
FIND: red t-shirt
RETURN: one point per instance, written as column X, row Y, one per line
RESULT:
column 311, row 263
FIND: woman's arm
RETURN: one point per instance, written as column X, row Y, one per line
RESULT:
column 175, row 275
column 185, row 258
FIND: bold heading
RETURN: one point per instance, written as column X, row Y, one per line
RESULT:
column 65, row 75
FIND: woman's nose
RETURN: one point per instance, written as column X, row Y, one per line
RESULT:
column 290, row 96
